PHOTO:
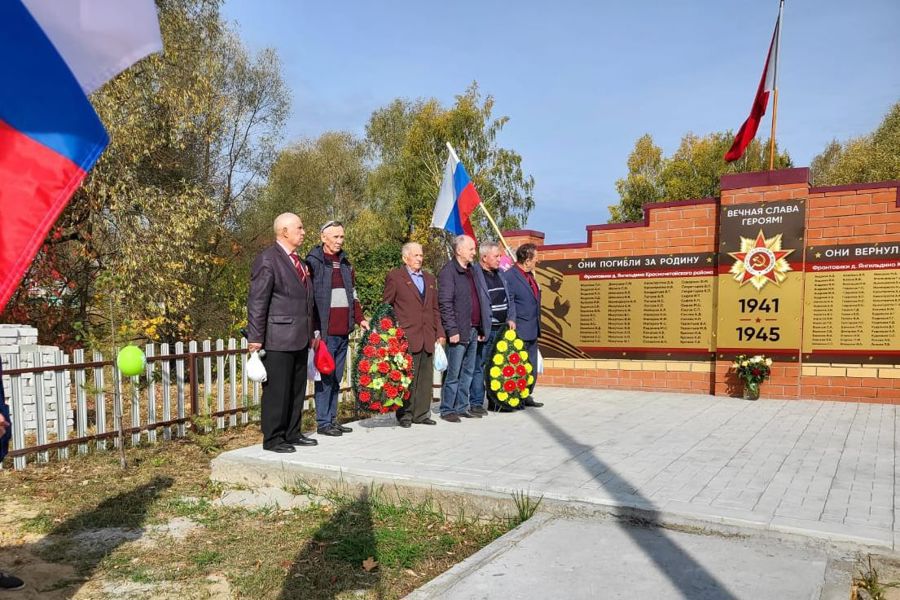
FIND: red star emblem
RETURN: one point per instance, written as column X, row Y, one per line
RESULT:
column 759, row 259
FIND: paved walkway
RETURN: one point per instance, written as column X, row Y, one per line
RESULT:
column 819, row 469
column 591, row 559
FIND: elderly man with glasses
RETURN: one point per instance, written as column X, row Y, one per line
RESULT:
column 338, row 312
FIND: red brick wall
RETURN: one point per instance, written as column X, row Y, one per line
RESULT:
column 655, row 375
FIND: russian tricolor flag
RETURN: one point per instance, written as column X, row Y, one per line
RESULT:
column 54, row 54
column 456, row 200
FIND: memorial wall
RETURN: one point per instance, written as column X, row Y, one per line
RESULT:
column 807, row 276
column 852, row 303
column 632, row 306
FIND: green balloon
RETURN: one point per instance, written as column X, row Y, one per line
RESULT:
column 131, row 361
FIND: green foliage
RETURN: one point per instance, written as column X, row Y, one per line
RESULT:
column 407, row 140
column 526, row 506
column 159, row 240
column 870, row 158
column 643, row 183
column 868, row 580
column 207, row 558
column 204, row 433
column 692, row 172
column 319, row 180
column 372, row 267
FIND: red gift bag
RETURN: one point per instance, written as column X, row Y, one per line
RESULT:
column 323, row 359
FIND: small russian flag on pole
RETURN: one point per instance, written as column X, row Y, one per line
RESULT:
column 457, row 199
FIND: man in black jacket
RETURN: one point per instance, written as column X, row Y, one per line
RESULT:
column 338, row 312
column 465, row 316
column 279, row 319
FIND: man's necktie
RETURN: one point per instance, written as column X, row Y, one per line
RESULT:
column 298, row 265
column 532, row 283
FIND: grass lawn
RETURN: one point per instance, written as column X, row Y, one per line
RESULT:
column 86, row 529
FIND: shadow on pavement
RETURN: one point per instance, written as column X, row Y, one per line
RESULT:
column 685, row 573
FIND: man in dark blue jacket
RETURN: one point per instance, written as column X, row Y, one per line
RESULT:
column 338, row 313
column 466, row 317
column 525, row 295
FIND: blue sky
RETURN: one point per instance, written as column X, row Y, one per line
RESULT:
column 581, row 81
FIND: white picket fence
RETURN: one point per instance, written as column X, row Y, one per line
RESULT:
column 89, row 403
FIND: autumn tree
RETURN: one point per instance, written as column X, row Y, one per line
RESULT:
column 322, row 179
column 693, row 171
column 873, row 157
column 407, row 140
column 150, row 233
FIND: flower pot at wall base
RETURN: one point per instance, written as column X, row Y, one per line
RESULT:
column 751, row 391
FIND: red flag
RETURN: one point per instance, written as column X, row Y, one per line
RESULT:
column 766, row 84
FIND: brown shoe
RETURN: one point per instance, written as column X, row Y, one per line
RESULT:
column 426, row 422
column 453, row 418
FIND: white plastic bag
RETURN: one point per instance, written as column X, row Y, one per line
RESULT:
column 256, row 370
column 440, row 358
column 540, row 362
column 312, row 373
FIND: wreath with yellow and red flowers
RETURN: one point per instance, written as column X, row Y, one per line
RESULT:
column 508, row 375
column 382, row 369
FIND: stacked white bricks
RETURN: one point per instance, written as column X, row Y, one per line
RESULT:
column 21, row 340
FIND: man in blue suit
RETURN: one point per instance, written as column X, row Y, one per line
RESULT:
column 525, row 295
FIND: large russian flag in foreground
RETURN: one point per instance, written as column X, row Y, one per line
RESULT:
column 456, row 200
column 54, row 54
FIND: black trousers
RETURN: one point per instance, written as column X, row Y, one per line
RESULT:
column 283, row 395
column 418, row 407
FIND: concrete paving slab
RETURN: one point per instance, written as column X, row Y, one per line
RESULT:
column 590, row 559
column 670, row 458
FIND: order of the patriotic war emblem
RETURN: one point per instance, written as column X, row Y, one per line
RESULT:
column 760, row 261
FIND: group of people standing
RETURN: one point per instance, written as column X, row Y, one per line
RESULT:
column 292, row 300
